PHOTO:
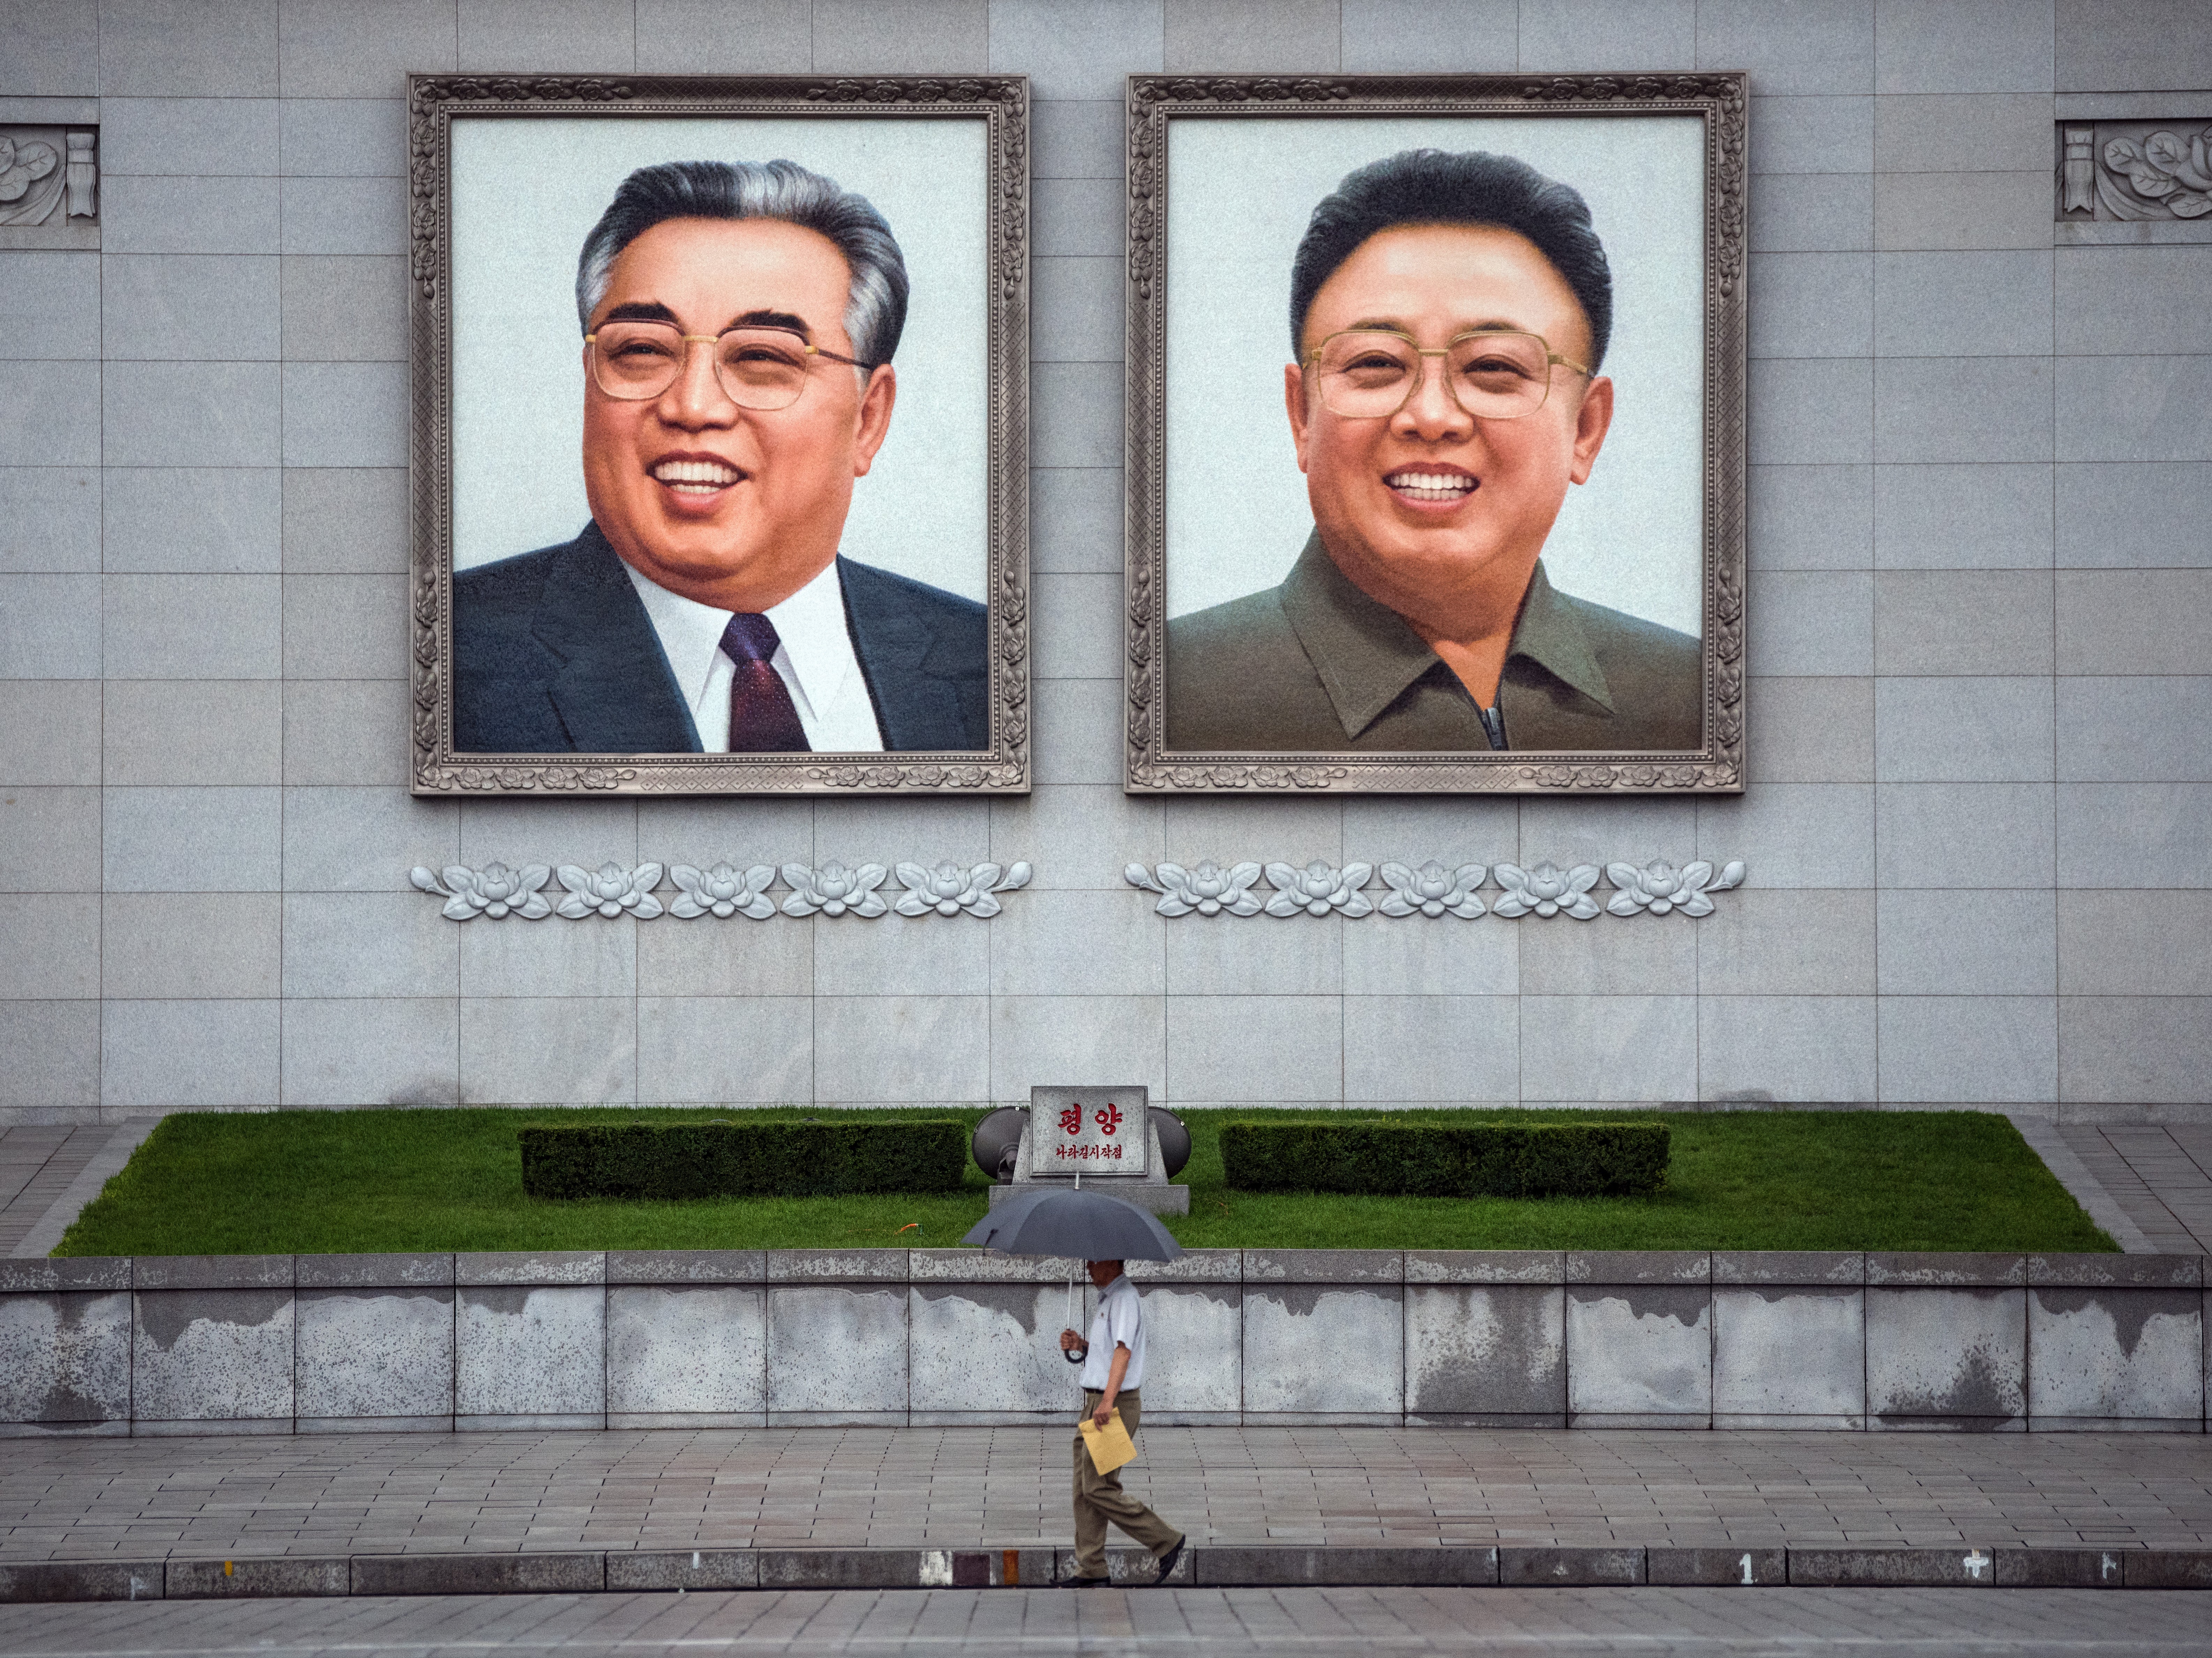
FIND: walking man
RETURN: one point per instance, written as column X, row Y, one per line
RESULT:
column 1113, row 1371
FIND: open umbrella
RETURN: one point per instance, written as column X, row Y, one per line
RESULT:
column 1086, row 1225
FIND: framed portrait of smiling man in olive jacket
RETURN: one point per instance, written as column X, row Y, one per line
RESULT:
column 1436, row 476
column 719, row 435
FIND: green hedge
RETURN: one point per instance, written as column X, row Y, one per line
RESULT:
column 1483, row 1160
column 743, row 1160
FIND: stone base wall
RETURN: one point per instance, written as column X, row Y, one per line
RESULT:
column 321, row 1343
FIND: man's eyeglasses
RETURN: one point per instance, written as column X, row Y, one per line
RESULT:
column 1369, row 374
column 763, row 368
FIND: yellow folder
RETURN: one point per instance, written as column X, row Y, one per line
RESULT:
column 1110, row 1445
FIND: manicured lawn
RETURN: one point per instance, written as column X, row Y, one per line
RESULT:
column 342, row 1181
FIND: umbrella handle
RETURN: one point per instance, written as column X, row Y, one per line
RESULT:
column 1071, row 1357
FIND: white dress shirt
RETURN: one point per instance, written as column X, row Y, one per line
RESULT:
column 814, row 659
column 1117, row 1322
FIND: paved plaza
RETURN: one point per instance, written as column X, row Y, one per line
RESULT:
column 1002, row 1487
column 1217, row 1623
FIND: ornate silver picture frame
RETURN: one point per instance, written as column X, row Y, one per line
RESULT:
column 789, row 563
column 1315, row 598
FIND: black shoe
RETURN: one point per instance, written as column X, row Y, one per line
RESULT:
column 1086, row 1582
column 1168, row 1560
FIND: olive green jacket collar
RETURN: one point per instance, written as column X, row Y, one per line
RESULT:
column 1367, row 654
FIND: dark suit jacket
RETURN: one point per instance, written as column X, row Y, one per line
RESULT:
column 1316, row 666
column 554, row 654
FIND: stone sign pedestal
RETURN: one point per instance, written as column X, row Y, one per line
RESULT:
column 1097, row 1152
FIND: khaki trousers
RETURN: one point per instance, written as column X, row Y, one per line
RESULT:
column 1099, row 1497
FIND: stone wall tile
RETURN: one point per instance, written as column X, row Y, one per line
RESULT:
column 190, row 414
column 700, row 958
column 716, row 1050
column 1254, row 1049
column 69, row 1357
column 1793, row 834
column 188, row 215
column 50, row 414
column 1454, row 1050
column 371, row 1050
column 1222, row 956
column 1037, row 1038
column 1121, row 954
column 2116, row 1354
column 345, row 519
column 49, row 945
column 549, row 1050
column 53, row 51
column 1076, row 138
column 1444, row 955
column 1946, row 1358
column 345, row 413
column 542, row 36
column 342, row 137
column 55, row 304
column 220, row 627
column 2148, row 943
column 212, row 1355
column 1961, row 516
column 1810, row 411
column 1320, row 1351
column 346, row 730
column 1960, row 210
column 2135, row 728
column 191, row 731
column 1811, row 731
column 1812, row 622
column 1765, row 942
column 172, row 1053
column 349, row 308
column 1968, row 1050
column 215, row 49
column 53, row 1059
column 49, row 732
column 202, row 945
column 595, row 958
column 693, row 1349
column 337, row 49
column 1962, row 409
column 1578, row 1049
column 2115, row 515
column 2139, row 621
column 1383, row 36
column 1965, row 834
column 50, row 840
column 1809, row 518
column 525, row 831
column 988, row 1348
column 2121, row 300
column 1488, row 1354
column 1968, row 944
column 1963, row 46
column 190, row 840
column 2120, row 1050
column 2109, row 45
column 385, row 1351
column 2136, row 409
column 1243, row 37
column 49, row 627
column 1991, row 729
column 1793, row 1353
column 1639, row 1353
column 1811, row 305
column 55, row 509
column 837, row 1353
column 368, row 944
column 538, row 1351
column 1077, row 52
column 229, row 135
column 2134, row 835
column 896, row 956
column 706, row 37
column 1962, row 305
column 1811, row 213
column 1961, row 132
column 357, row 840
column 1801, row 47
column 1798, row 1049
column 919, row 1049
column 1827, row 133
column 206, row 520
column 1202, row 1325
column 344, row 215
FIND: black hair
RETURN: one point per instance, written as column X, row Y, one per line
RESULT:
column 1434, row 187
column 875, row 309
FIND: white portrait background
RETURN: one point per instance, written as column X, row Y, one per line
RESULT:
column 525, row 194
column 1240, row 192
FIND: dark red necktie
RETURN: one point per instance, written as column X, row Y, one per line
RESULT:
column 763, row 720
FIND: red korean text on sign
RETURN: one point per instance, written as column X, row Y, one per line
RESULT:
column 1109, row 1119
column 1070, row 1120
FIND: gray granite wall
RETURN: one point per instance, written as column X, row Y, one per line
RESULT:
column 320, row 1343
column 1979, row 823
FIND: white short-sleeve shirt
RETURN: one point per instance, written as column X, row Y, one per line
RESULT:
column 1117, row 1321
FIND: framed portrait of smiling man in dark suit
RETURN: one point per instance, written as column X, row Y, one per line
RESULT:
column 1437, row 405
column 719, row 435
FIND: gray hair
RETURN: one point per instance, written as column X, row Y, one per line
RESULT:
column 875, row 307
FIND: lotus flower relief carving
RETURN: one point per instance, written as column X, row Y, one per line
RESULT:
column 833, row 890
column 1432, row 890
column 495, row 890
column 1547, row 890
column 949, row 890
column 1316, row 890
column 1205, row 889
column 2167, row 169
column 723, row 891
column 609, row 890
column 1660, row 888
